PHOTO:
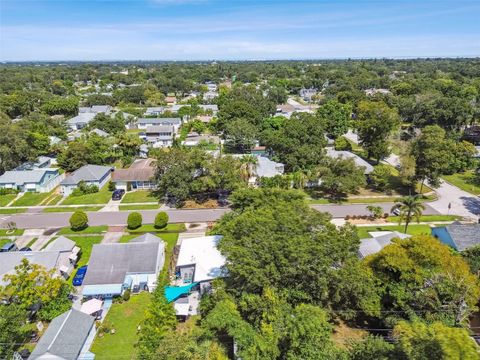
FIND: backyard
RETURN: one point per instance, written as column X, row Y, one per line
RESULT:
column 101, row 197
column 125, row 318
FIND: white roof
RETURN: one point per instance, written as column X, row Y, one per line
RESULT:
column 349, row 155
column 203, row 253
column 91, row 306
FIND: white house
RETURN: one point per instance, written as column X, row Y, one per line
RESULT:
column 114, row 268
column 80, row 121
column 143, row 123
column 90, row 174
column 159, row 135
column 38, row 180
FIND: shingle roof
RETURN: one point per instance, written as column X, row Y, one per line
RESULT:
column 86, row 173
column 373, row 245
column 349, row 155
column 82, row 118
column 24, row 176
column 159, row 129
column 100, row 132
column 144, row 174
column 160, row 121
column 464, row 236
column 60, row 244
column 64, row 337
column 110, row 263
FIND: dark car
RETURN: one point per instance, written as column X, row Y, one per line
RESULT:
column 117, row 194
column 79, row 276
column 10, row 246
column 25, row 249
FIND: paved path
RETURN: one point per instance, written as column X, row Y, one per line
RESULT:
column 462, row 203
column 112, row 237
column 340, row 211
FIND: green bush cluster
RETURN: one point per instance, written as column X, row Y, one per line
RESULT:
column 78, row 220
column 161, row 220
column 342, row 144
column 134, row 220
column 83, row 189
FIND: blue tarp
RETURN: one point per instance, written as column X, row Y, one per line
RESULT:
column 172, row 293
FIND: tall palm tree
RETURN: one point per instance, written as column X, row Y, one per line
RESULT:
column 248, row 167
column 409, row 207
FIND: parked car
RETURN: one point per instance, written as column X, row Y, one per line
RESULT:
column 10, row 246
column 117, row 194
column 79, row 276
column 25, row 249
column 396, row 212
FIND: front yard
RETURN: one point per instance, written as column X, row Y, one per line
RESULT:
column 89, row 230
column 101, row 197
column 413, row 229
column 125, row 319
column 31, row 199
column 71, row 209
column 5, row 199
column 139, row 196
column 466, row 181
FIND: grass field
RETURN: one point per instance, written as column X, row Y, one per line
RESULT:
column 150, row 228
column 101, row 197
column 53, row 200
column 85, row 243
column 428, row 218
column 12, row 211
column 5, row 199
column 72, row 209
column 139, row 196
column 16, row 232
column 125, row 318
column 413, row 229
column 465, row 181
column 31, row 199
column 138, row 207
column 89, row 230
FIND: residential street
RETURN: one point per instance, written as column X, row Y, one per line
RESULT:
column 52, row 220
column 462, row 202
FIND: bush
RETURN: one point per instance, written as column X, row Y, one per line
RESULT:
column 78, row 220
column 4, row 191
column 111, row 186
column 83, row 189
column 134, row 220
column 161, row 220
column 342, row 143
column 126, row 295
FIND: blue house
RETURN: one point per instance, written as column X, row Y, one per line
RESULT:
column 458, row 236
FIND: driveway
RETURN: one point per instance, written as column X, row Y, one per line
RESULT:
column 461, row 202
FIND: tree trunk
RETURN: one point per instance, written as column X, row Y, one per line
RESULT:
column 421, row 186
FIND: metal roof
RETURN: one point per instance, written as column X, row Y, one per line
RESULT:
column 64, row 337
column 86, row 173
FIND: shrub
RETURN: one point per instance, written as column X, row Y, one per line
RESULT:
column 376, row 212
column 4, row 191
column 111, row 186
column 126, row 295
column 78, row 220
column 161, row 220
column 342, row 143
column 134, row 220
column 83, row 189
column 129, row 186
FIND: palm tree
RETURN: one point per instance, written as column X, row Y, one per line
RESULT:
column 409, row 207
column 248, row 167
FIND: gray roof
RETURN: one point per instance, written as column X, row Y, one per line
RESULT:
column 373, row 245
column 86, row 173
column 349, row 155
column 160, row 121
column 110, row 263
column 101, row 108
column 81, row 118
column 8, row 260
column 155, row 109
column 159, row 129
column 464, row 235
column 268, row 168
column 41, row 162
column 60, row 244
column 20, row 177
column 100, row 132
column 64, row 337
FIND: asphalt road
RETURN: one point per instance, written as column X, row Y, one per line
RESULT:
column 53, row 220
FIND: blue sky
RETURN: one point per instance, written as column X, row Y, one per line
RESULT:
column 230, row 29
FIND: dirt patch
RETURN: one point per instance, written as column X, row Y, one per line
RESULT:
column 209, row 204
column 116, row 228
column 367, row 221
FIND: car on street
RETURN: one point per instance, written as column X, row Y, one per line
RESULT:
column 117, row 194
column 25, row 249
column 10, row 246
column 79, row 276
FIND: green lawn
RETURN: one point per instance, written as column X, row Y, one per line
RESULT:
column 54, row 200
column 89, row 230
column 138, row 207
column 72, row 209
column 31, row 199
column 31, row 242
column 12, row 211
column 4, row 241
column 428, row 218
column 5, row 199
column 125, row 318
column 85, row 243
column 16, row 232
column 150, row 228
column 139, row 196
column 413, row 229
column 465, row 181
column 101, row 197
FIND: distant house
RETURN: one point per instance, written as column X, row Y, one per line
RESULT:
column 143, row 151
column 335, row 154
column 170, row 100
column 95, row 109
column 60, row 255
column 458, row 236
column 285, row 110
column 264, row 167
column 376, row 243
column 68, row 337
column 374, row 91
column 80, row 121
column 54, row 140
column 114, row 268
column 38, row 180
column 154, row 111
column 308, row 94
column 159, row 135
column 204, row 118
column 195, row 140
column 138, row 176
column 42, row 162
column 100, row 132
column 210, row 95
column 90, row 174
column 143, row 123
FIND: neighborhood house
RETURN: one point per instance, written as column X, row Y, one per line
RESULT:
column 458, row 236
column 80, row 121
column 38, row 180
column 138, row 176
column 90, row 174
column 159, row 135
column 114, row 268
column 378, row 241
column 144, row 123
